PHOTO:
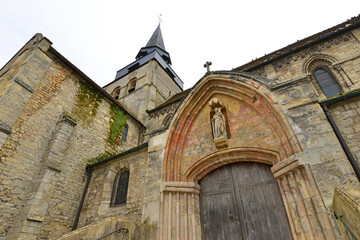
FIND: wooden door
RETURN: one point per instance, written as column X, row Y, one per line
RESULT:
column 242, row 201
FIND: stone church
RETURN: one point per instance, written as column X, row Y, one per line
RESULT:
column 267, row 150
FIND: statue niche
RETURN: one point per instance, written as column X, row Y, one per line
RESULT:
column 219, row 123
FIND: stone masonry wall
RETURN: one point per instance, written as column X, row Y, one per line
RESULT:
column 165, row 86
column 321, row 149
column 98, row 198
column 39, row 195
column 347, row 118
column 340, row 54
column 298, row 94
column 153, row 87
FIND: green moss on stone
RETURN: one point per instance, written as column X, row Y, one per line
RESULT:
column 117, row 125
column 88, row 101
column 99, row 158
column 339, row 95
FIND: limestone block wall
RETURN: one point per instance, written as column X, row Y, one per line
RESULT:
column 298, row 93
column 347, row 118
column 321, row 148
column 341, row 54
column 97, row 204
column 18, row 78
column 142, row 97
column 140, row 75
column 153, row 87
column 160, row 119
column 50, row 136
column 165, row 86
column 150, row 73
column 347, row 207
column 153, row 177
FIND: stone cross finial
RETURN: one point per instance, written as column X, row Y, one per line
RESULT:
column 207, row 66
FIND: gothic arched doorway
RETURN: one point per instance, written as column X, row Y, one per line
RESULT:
column 242, row 201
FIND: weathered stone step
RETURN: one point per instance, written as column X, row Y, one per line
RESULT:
column 136, row 231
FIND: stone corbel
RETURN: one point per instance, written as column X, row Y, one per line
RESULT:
column 303, row 203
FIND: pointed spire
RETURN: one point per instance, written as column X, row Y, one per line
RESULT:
column 156, row 43
column 154, row 50
column 156, row 39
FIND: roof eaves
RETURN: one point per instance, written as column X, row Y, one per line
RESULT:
column 144, row 60
column 340, row 98
column 132, row 150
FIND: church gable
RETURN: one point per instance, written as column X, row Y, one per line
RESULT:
column 250, row 119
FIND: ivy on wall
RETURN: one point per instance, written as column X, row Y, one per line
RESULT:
column 118, row 122
column 87, row 104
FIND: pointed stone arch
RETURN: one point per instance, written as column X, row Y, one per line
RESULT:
column 253, row 94
column 179, row 215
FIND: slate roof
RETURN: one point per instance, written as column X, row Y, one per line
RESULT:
column 173, row 99
column 154, row 49
column 156, row 39
column 300, row 45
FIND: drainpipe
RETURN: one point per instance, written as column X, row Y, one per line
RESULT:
column 88, row 174
column 341, row 140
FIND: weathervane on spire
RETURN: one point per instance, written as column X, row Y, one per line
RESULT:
column 160, row 21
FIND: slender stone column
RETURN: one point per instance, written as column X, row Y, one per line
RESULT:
column 180, row 211
column 304, row 206
column 343, row 74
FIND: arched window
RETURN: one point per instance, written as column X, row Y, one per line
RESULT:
column 327, row 82
column 120, row 188
column 116, row 92
column 124, row 134
column 132, row 85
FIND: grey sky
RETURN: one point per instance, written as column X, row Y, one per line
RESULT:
column 100, row 37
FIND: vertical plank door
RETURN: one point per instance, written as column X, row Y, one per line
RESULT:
column 242, row 201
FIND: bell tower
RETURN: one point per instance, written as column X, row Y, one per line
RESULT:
column 148, row 81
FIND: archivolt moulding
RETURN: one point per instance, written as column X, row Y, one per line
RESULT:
column 233, row 155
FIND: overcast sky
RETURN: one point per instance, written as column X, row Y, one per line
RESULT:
column 101, row 37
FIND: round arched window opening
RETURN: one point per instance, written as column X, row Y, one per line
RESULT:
column 116, row 93
column 327, row 82
column 132, row 85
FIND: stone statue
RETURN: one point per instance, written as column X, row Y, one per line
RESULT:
column 219, row 124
